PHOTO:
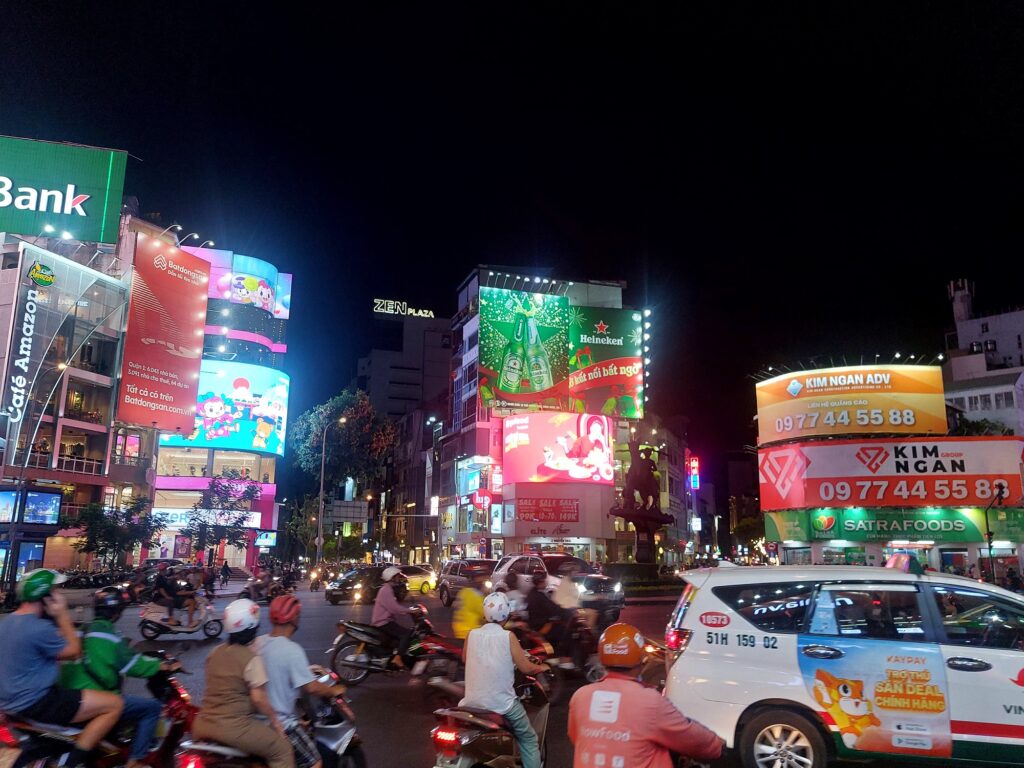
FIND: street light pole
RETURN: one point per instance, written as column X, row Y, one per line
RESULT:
column 320, row 517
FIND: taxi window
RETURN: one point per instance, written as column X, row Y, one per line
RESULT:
column 771, row 607
column 879, row 612
column 974, row 617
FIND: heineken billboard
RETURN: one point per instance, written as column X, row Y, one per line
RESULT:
column 940, row 524
column 67, row 187
column 539, row 353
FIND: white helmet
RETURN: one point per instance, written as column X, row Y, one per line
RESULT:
column 241, row 615
column 496, row 607
column 390, row 573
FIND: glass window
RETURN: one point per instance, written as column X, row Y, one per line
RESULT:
column 183, row 462
column 1004, row 399
column 879, row 612
column 972, row 403
column 973, row 617
column 833, row 556
column 520, row 566
column 771, row 607
column 985, row 402
column 246, row 465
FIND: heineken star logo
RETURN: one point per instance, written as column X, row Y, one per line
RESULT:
column 601, row 327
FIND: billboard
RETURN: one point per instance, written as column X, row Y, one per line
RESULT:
column 247, row 281
column 944, row 524
column 539, row 353
column 266, row 539
column 557, row 448
column 240, row 407
column 67, row 187
column 42, row 508
column 164, row 341
column 863, row 399
column 53, row 296
column 901, row 472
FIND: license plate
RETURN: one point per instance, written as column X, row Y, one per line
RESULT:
column 419, row 667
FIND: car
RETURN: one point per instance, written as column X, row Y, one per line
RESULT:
column 153, row 562
column 800, row 665
column 360, row 585
column 597, row 592
column 421, row 578
column 455, row 574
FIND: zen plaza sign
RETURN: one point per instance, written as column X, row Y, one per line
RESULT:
column 392, row 307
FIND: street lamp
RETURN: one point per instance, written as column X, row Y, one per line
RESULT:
column 189, row 236
column 320, row 517
column 206, row 243
column 175, row 227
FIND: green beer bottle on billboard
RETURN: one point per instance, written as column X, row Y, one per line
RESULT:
column 537, row 363
column 513, row 361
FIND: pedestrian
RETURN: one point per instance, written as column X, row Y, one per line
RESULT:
column 225, row 574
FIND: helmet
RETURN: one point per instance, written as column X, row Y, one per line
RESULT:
column 539, row 577
column 496, row 607
column 241, row 615
column 390, row 573
column 621, row 645
column 108, row 603
column 285, row 609
column 37, row 584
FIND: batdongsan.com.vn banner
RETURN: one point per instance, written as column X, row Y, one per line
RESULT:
column 539, row 353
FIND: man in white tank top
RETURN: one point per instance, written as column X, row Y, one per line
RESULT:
column 492, row 655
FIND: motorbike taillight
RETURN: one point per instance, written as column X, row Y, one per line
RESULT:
column 190, row 760
column 7, row 737
column 446, row 738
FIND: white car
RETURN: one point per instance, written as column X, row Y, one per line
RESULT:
column 796, row 666
column 596, row 591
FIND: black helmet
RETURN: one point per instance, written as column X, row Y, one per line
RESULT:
column 539, row 577
column 108, row 603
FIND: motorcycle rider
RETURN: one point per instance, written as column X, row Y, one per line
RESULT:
column 171, row 595
column 236, row 689
column 543, row 613
column 106, row 656
column 516, row 596
column 469, row 605
column 289, row 675
column 491, row 655
column 32, row 640
column 653, row 728
column 390, row 616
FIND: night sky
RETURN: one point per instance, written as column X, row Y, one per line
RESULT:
column 775, row 183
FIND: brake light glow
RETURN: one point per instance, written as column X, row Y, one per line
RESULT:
column 7, row 738
column 677, row 639
column 190, row 760
column 446, row 736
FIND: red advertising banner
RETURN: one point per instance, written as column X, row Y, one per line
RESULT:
column 547, row 447
column 164, row 341
column 907, row 472
column 548, row 510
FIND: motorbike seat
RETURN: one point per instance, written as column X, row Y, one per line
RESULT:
column 213, row 747
column 59, row 730
column 369, row 629
column 485, row 714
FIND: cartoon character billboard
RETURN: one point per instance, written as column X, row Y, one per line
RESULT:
column 240, row 407
column 558, row 447
column 247, row 280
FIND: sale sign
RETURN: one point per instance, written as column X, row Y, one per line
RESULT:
column 164, row 342
column 856, row 400
column 548, row 510
column 901, row 472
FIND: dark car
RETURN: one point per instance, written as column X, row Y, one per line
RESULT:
column 359, row 585
column 456, row 574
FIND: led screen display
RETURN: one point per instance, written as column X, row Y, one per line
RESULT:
column 266, row 539
column 42, row 508
column 8, row 502
column 558, row 448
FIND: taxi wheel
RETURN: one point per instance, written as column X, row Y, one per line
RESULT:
column 425, row 588
column 781, row 737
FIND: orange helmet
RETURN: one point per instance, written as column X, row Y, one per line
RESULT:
column 621, row 645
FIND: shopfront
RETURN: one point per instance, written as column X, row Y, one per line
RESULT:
column 951, row 539
column 558, row 517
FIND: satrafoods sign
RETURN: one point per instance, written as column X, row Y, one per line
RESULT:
column 939, row 524
column 66, row 187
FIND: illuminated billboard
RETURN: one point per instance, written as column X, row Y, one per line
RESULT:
column 164, row 340
column 855, row 400
column 539, row 353
column 241, row 407
column 66, row 187
column 557, row 448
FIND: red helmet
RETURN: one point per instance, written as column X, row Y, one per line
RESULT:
column 285, row 610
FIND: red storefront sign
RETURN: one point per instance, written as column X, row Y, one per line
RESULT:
column 548, row 510
column 482, row 499
column 907, row 472
column 164, row 341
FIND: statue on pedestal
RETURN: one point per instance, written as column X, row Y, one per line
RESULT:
column 644, row 513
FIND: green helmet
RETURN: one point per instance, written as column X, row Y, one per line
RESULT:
column 37, row 584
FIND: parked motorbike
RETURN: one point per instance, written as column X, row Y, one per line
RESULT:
column 334, row 728
column 360, row 649
column 467, row 737
column 153, row 621
column 48, row 744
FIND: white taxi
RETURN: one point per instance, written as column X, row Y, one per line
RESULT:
column 796, row 666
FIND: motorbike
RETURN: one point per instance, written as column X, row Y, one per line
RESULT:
column 153, row 621
column 466, row 737
column 360, row 649
column 334, row 727
column 48, row 744
column 315, row 584
column 275, row 589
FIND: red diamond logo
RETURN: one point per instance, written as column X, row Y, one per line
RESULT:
column 872, row 457
column 782, row 467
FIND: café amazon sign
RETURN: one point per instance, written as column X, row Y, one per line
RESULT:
column 939, row 524
column 51, row 187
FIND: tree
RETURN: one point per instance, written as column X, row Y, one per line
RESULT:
column 222, row 511
column 302, row 526
column 747, row 530
column 358, row 448
column 113, row 533
column 979, row 427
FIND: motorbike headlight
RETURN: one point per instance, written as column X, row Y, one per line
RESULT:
column 313, row 574
column 356, row 597
column 488, row 584
column 359, row 586
column 617, row 587
column 581, row 588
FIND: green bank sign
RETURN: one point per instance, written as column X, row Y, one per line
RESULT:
column 72, row 189
column 856, row 524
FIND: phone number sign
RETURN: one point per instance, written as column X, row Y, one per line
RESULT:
column 856, row 400
column 908, row 472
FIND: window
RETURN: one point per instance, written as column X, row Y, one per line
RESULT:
column 985, row 402
column 976, row 618
column 959, row 402
column 520, row 566
column 501, row 563
column 1004, row 399
column 975, row 347
column 237, row 463
column 773, row 607
column 1019, row 344
column 984, row 327
column 972, row 403
column 875, row 611
column 990, row 345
